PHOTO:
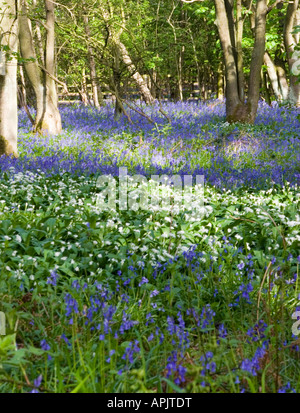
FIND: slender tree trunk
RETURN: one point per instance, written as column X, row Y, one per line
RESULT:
column 51, row 121
column 139, row 80
column 196, row 60
column 180, row 85
column 32, row 69
column 39, row 37
column 8, row 79
column 94, row 80
column 257, row 58
column 284, row 87
column 23, row 102
column 290, row 42
column 83, row 90
column 22, row 96
column 220, row 86
column 153, row 83
column 233, row 102
column 239, row 38
column 47, row 115
column 116, row 83
column 266, row 89
column 114, row 36
column 274, row 77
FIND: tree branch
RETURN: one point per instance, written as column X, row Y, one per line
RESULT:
column 55, row 79
column 270, row 8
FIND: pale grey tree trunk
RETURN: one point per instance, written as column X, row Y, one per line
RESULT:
column 116, row 84
column 136, row 76
column 257, row 58
column 32, row 69
column 277, row 78
column 179, row 71
column 23, row 87
column 84, row 91
column 8, row 78
column 48, row 118
column 272, row 74
column 115, row 38
column 220, row 83
column 51, row 121
column 239, row 38
column 39, row 36
column 284, row 87
column 95, row 86
column 290, row 42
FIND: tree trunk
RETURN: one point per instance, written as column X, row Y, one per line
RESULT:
column 140, row 82
column 22, row 94
column 233, row 103
column 257, row 58
column 290, row 42
column 266, row 89
column 220, row 86
column 114, row 35
column 31, row 67
column 153, row 87
column 236, row 109
column 83, row 91
column 8, row 79
column 272, row 74
column 179, row 70
column 116, row 84
column 277, row 78
column 196, row 60
column 239, row 38
column 39, row 37
column 47, row 115
column 94, row 81
column 282, row 79
column 51, row 121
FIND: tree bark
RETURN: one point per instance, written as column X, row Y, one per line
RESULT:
column 139, row 80
column 232, row 94
column 115, row 38
column 47, row 119
column 39, row 37
column 51, row 121
column 239, row 38
column 220, row 85
column 277, row 78
column 257, row 58
column 290, row 41
column 31, row 67
column 83, row 91
column 236, row 109
column 23, row 102
column 266, row 89
column 94, row 81
column 282, row 79
column 8, row 80
column 116, row 84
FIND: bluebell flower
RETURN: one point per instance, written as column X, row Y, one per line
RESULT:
column 143, row 281
column 44, row 345
column 287, row 389
column 53, row 278
column 241, row 265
